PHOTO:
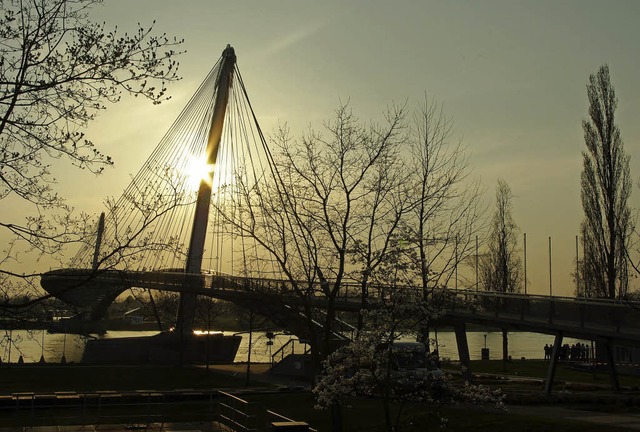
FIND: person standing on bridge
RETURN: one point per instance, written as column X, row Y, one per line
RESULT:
column 547, row 352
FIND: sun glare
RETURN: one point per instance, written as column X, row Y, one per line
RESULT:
column 197, row 170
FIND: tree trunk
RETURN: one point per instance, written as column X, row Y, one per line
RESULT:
column 505, row 345
column 387, row 413
column 336, row 417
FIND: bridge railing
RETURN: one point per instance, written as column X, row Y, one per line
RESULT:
column 592, row 312
column 613, row 315
column 617, row 316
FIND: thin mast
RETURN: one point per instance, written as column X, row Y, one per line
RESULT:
column 96, row 251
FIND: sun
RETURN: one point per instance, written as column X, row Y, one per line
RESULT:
column 197, row 170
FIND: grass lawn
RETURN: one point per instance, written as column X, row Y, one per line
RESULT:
column 538, row 369
column 358, row 414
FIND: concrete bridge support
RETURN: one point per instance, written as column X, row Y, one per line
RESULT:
column 463, row 350
column 613, row 373
column 553, row 363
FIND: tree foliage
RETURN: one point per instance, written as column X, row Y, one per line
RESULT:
column 335, row 210
column 501, row 266
column 58, row 69
column 605, row 190
column 344, row 213
column 375, row 365
column 447, row 210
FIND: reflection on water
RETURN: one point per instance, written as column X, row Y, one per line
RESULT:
column 521, row 344
column 30, row 345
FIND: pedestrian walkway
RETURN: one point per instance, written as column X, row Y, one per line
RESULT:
column 260, row 373
column 608, row 421
column 142, row 427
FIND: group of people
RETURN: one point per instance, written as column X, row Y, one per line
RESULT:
column 574, row 352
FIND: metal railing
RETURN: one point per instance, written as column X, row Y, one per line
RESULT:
column 144, row 406
column 616, row 316
column 239, row 415
column 179, row 281
column 290, row 345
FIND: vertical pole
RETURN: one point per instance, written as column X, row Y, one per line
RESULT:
column 550, row 279
column 208, row 340
column 10, row 344
column 456, row 268
column 63, row 359
column 42, row 348
column 577, row 270
column 477, row 263
column 584, row 262
column 525, row 263
column 248, row 374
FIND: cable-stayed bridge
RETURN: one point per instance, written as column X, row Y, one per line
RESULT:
column 211, row 186
column 618, row 321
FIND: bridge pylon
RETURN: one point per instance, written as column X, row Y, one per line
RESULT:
column 186, row 311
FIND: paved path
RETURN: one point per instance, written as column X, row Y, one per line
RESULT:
column 259, row 373
column 151, row 427
column 608, row 421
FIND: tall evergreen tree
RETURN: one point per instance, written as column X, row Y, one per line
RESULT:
column 606, row 187
column 501, row 266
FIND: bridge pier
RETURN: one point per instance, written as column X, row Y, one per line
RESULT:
column 613, row 373
column 463, row 350
column 553, row 363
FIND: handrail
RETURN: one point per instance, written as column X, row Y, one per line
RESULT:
column 281, row 350
column 143, row 405
column 284, row 286
column 611, row 318
column 235, row 413
column 268, row 412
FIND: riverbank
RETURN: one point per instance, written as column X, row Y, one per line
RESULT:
column 571, row 408
column 34, row 377
column 32, row 345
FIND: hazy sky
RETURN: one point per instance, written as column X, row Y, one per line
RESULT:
column 511, row 73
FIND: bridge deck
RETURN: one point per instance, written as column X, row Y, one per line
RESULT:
column 617, row 321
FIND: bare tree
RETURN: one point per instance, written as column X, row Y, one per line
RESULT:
column 341, row 218
column 58, row 69
column 501, row 266
column 447, row 209
column 377, row 240
column 605, row 191
column 327, row 223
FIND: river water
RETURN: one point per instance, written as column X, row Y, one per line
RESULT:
column 31, row 345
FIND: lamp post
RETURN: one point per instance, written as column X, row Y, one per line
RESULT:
column 550, row 279
column 525, row 263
